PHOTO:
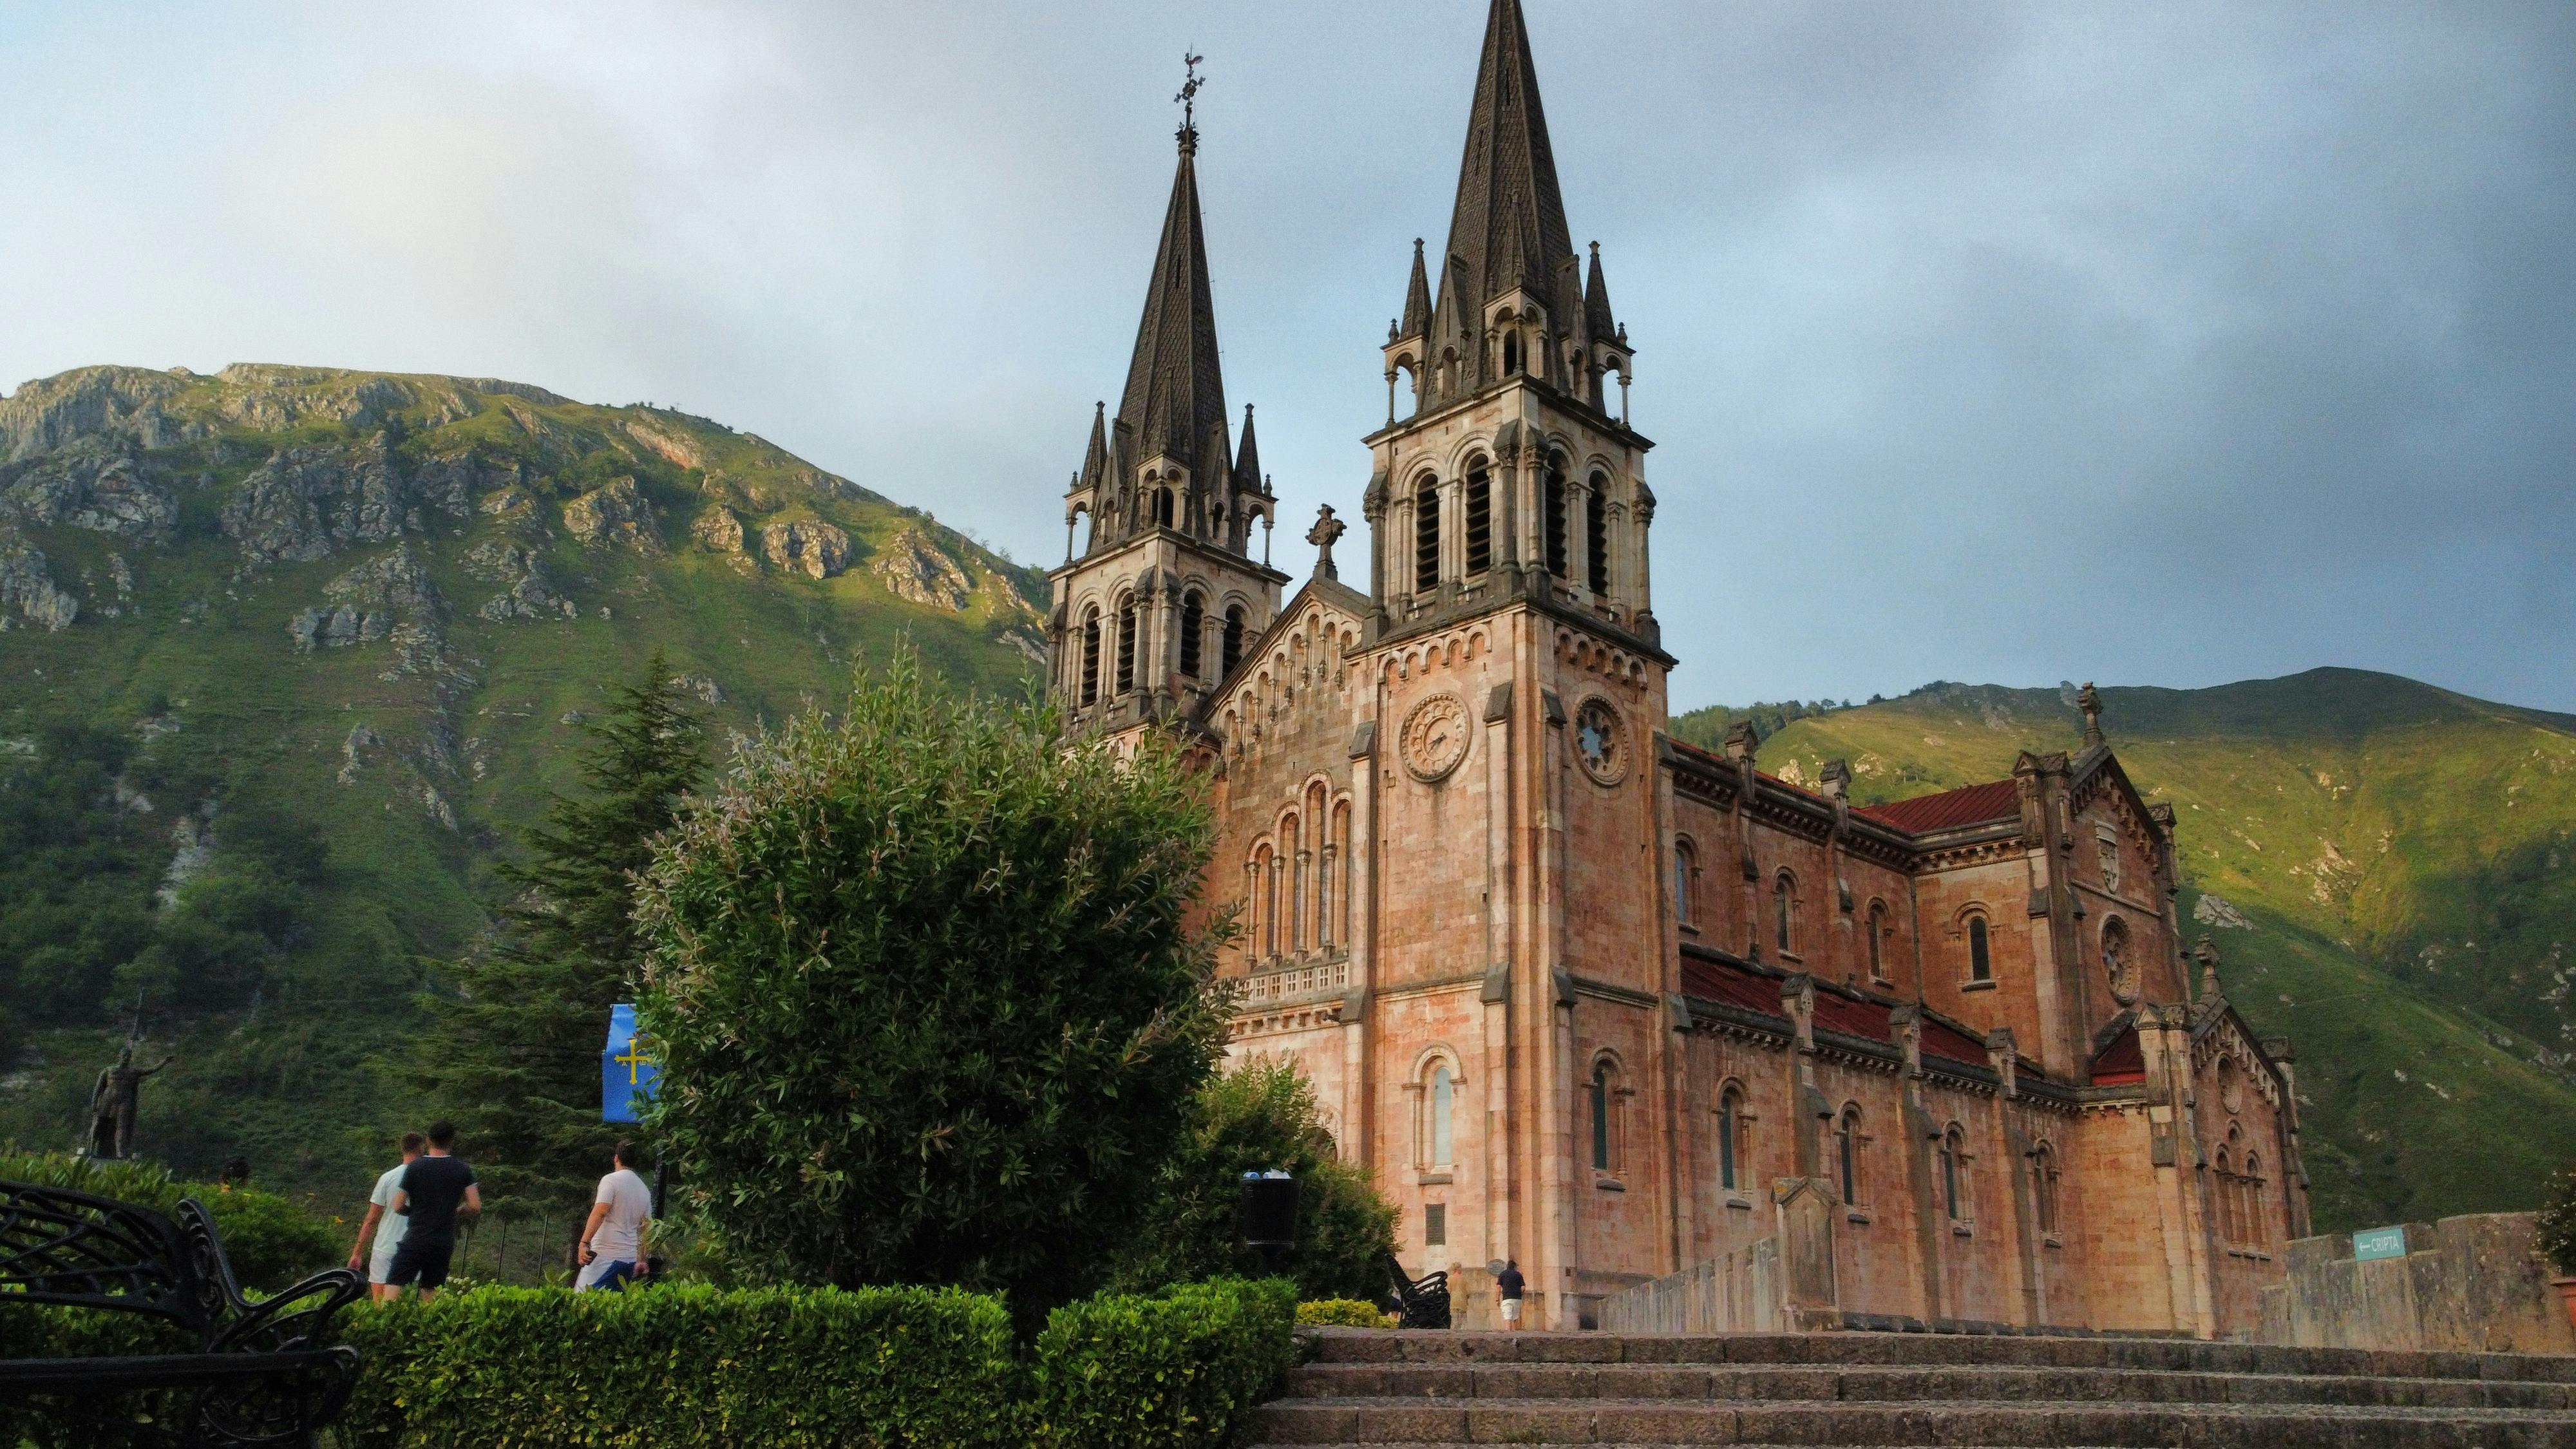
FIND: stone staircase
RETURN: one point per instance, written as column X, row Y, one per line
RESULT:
column 1915, row 1389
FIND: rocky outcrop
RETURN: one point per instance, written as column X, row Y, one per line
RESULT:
column 97, row 484
column 703, row 686
column 668, row 443
column 452, row 481
column 498, row 560
column 27, row 587
column 396, row 581
column 719, row 532
column 320, row 628
column 304, row 503
column 362, row 748
column 808, row 547
column 111, row 402
column 192, row 840
column 914, row 568
column 532, row 597
column 614, row 515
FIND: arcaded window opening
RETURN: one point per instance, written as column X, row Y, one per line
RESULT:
column 1127, row 644
column 1480, row 517
column 1426, row 536
column 1233, row 654
column 1091, row 655
column 1193, row 624
column 1552, row 515
column 1596, row 534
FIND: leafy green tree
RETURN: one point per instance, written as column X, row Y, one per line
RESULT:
column 514, row 1058
column 1259, row 1117
column 932, row 994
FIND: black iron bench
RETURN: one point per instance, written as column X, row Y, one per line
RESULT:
column 259, row 1374
column 1419, row 1302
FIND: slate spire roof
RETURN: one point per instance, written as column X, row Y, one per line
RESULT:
column 1175, row 397
column 1596, row 301
column 1508, row 227
column 1417, row 298
column 1247, row 459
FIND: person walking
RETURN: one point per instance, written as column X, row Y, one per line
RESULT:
column 621, row 1219
column 1510, row 1283
column 384, row 1226
column 436, row 1189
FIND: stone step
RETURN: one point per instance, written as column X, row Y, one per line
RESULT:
column 1853, row 1349
column 1937, row 1384
column 2114, row 1426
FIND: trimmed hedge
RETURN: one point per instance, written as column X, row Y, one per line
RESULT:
column 685, row 1366
column 1342, row 1313
column 1180, row 1368
column 680, row 1364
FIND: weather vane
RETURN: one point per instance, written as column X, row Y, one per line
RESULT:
column 1188, row 96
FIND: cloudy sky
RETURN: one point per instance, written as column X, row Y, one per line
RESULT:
column 2162, row 344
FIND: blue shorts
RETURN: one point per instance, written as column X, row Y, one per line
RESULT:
column 619, row 1274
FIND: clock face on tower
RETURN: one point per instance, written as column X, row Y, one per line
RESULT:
column 1596, row 741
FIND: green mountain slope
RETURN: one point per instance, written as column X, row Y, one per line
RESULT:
column 2387, row 867
column 319, row 640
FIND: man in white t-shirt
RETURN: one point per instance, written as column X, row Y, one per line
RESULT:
column 383, row 1223
column 621, row 1219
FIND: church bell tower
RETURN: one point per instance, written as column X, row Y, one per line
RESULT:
column 1154, row 608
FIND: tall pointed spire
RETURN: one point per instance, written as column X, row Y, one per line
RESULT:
column 1417, row 298
column 1508, row 228
column 1175, row 398
column 1596, row 302
column 1247, row 458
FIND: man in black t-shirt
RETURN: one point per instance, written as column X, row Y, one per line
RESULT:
column 1511, row 1285
column 436, row 1189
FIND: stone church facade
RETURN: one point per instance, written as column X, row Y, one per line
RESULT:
column 1586, row 997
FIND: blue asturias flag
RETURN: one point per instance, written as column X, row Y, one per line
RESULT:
column 627, row 1069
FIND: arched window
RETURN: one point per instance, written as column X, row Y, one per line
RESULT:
column 1163, row 507
column 1877, row 941
column 1847, row 1154
column 1126, row 643
column 1684, row 867
column 1091, row 655
column 1511, row 351
column 1233, row 654
column 1604, row 1084
column 1953, row 1147
column 1439, row 1113
column 1552, row 514
column 1730, row 1136
column 1783, row 908
column 2225, row 1178
column 1264, row 936
column 1596, row 534
column 2043, row 1185
column 1193, row 624
column 1981, row 961
column 2250, row 1187
column 1426, row 535
column 1480, row 517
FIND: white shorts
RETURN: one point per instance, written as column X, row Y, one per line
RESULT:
column 1511, row 1310
column 381, row 1261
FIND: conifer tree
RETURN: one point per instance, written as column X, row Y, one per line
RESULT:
column 513, row 1059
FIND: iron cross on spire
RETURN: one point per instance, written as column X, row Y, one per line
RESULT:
column 1188, row 96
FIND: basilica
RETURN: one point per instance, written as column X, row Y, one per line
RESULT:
column 1584, row 997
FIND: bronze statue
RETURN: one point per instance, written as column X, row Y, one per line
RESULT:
column 112, row 1103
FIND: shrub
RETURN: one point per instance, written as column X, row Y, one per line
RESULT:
column 1261, row 1116
column 780, row 1368
column 1342, row 1313
column 2558, row 1223
column 1180, row 1368
column 930, row 1004
column 270, row 1241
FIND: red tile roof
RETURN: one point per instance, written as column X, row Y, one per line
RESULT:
column 1864, row 1019
column 1940, row 1039
column 2122, row 1062
column 1720, row 981
column 1968, row 805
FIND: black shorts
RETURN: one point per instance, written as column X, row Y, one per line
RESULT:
column 424, row 1262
